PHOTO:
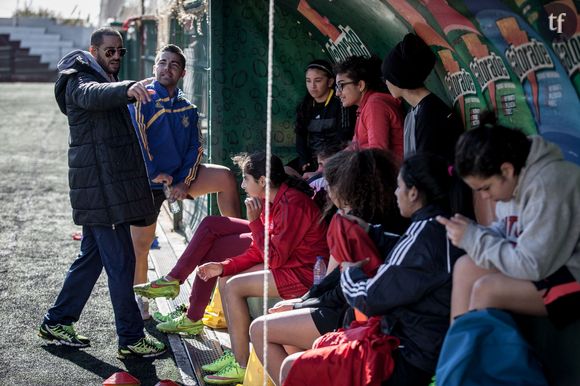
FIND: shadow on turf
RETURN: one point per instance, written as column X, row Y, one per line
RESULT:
column 141, row 368
column 82, row 359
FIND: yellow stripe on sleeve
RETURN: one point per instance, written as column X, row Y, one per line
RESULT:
column 142, row 130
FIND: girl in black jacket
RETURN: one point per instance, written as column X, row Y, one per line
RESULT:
column 412, row 289
column 321, row 121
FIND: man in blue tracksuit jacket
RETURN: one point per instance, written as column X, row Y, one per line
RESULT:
column 168, row 132
column 169, row 136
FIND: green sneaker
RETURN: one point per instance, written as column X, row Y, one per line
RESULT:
column 180, row 310
column 181, row 324
column 160, row 288
column 146, row 347
column 63, row 334
column 215, row 366
column 232, row 373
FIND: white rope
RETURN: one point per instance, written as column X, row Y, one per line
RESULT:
column 268, row 171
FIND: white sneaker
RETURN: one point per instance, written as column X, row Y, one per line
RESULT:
column 143, row 304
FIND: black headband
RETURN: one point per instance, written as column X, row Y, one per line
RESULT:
column 320, row 66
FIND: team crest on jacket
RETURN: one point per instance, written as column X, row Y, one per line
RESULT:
column 185, row 121
column 158, row 105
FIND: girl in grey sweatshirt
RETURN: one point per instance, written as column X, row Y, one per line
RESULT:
column 539, row 272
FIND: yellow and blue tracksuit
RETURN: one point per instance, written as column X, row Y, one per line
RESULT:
column 169, row 135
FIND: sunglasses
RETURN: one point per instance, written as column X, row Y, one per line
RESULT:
column 111, row 51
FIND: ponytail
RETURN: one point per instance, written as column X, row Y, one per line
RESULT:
column 254, row 164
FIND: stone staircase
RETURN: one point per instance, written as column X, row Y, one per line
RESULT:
column 30, row 53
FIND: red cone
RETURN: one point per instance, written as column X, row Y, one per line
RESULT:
column 166, row 382
column 121, row 378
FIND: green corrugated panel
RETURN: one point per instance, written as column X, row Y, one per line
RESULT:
column 149, row 47
column 132, row 60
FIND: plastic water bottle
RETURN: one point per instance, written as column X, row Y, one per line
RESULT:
column 173, row 204
column 319, row 269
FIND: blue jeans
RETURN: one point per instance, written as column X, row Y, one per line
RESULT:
column 112, row 249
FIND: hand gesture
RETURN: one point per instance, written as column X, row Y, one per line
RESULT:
column 455, row 227
column 147, row 81
column 138, row 92
column 179, row 191
column 209, row 270
column 253, row 208
column 163, row 178
column 284, row 305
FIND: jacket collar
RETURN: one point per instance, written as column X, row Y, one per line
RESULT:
column 364, row 99
column 428, row 212
column 79, row 60
column 281, row 191
column 164, row 94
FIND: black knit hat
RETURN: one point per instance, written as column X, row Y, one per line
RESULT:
column 409, row 63
column 321, row 65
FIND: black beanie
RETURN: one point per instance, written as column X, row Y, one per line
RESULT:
column 409, row 63
column 321, row 65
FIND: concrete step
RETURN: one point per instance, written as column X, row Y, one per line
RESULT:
column 17, row 64
column 42, row 37
column 29, row 30
column 51, row 57
column 35, row 50
column 50, row 48
column 46, row 45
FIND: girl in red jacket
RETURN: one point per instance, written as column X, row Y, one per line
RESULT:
column 379, row 121
column 226, row 247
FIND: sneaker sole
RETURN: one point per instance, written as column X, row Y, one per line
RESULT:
column 132, row 354
column 225, row 381
column 146, row 294
column 151, row 296
column 159, row 320
column 211, row 371
column 186, row 333
column 57, row 341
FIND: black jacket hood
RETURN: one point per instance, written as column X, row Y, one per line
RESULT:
column 74, row 62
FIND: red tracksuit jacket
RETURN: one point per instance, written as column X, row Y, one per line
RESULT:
column 296, row 237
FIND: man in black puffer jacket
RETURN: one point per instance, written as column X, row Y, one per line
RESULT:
column 109, row 190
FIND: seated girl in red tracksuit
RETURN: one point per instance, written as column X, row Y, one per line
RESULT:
column 225, row 247
column 294, row 324
column 410, row 295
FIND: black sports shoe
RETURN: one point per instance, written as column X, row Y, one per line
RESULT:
column 63, row 334
column 146, row 347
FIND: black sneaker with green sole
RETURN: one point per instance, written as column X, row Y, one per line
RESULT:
column 146, row 347
column 63, row 334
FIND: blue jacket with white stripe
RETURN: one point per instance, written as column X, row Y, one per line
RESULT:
column 412, row 289
column 169, row 135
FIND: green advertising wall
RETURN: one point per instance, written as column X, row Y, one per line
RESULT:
column 239, row 48
column 478, row 69
column 481, row 66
